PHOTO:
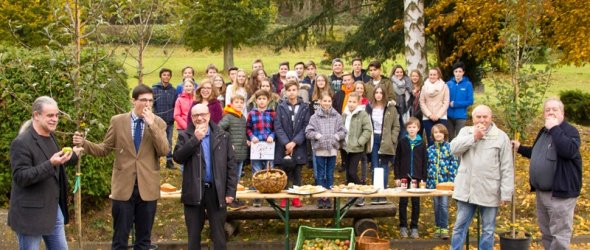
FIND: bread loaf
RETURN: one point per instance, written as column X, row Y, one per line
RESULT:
column 445, row 186
column 167, row 187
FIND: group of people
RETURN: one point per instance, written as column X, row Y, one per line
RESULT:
column 362, row 115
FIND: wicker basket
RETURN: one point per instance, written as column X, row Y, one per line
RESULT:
column 270, row 180
column 371, row 243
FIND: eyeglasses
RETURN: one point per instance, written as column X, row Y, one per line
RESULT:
column 146, row 100
column 199, row 114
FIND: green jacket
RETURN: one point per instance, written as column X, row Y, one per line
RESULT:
column 359, row 130
column 389, row 131
column 235, row 124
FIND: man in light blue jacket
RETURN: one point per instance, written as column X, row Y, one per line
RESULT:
column 485, row 178
column 461, row 97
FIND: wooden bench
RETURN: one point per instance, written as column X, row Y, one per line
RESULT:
column 362, row 216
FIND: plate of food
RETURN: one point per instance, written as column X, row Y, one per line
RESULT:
column 306, row 189
column 420, row 190
column 352, row 188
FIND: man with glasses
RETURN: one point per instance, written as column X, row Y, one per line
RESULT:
column 164, row 100
column 209, row 179
column 138, row 139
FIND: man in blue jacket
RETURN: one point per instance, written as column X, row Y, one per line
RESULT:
column 461, row 97
column 555, row 175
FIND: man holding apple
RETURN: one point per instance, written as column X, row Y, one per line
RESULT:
column 38, row 199
column 138, row 139
column 555, row 175
column 485, row 178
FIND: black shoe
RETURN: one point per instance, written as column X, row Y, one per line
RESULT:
column 170, row 164
column 328, row 204
column 320, row 203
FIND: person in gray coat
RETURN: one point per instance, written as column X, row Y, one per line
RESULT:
column 485, row 178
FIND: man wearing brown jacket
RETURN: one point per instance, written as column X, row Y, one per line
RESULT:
column 138, row 139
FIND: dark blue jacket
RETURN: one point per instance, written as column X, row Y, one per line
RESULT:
column 567, row 181
column 461, row 94
column 286, row 131
column 164, row 100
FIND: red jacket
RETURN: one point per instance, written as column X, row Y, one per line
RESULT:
column 182, row 108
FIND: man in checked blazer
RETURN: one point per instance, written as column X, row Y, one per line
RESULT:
column 138, row 139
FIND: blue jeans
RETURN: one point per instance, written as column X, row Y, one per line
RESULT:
column 384, row 161
column 428, row 124
column 441, row 211
column 55, row 240
column 315, row 166
column 169, row 132
column 465, row 212
column 375, row 151
column 239, row 166
column 325, row 176
column 258, row 165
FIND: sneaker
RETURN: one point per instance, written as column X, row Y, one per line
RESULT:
column 437, row 232
column 321, row 203
column 283, row 203
column 375, row 201
column 296, row 202
column 403, row 232
column 257, row 203
column 382, row 201
column 444, row 234
column 170, row 164
column 414, row 233
column 328, row 203
column 360, row 202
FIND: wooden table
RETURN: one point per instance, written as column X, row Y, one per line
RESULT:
column 339, row 212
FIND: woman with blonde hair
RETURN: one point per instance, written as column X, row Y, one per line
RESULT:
column 207, row 95
column 434, row 101
column 238, row 88
column 219, row 86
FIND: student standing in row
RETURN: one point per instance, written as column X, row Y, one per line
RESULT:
column 442, row 167
column 358, row 124
column 410, row 164
column 385, row 122
column 291, row 148
column 234, row 123
column 326, row 132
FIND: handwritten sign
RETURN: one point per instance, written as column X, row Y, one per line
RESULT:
column 262, row 151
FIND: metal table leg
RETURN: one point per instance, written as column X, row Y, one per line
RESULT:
column 340, row 212
column 284, row 215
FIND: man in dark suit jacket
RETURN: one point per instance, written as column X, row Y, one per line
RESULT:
column 38, row 199
column 135, row 185
column 209, row 178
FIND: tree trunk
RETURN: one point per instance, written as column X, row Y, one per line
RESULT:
column 140, row 63
column 415, row 41
column 228, row 54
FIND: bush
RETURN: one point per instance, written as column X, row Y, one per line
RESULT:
column 28, row 74
column 577, row 106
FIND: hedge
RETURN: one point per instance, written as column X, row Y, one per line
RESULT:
column 576, row 106
column 28, row 74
